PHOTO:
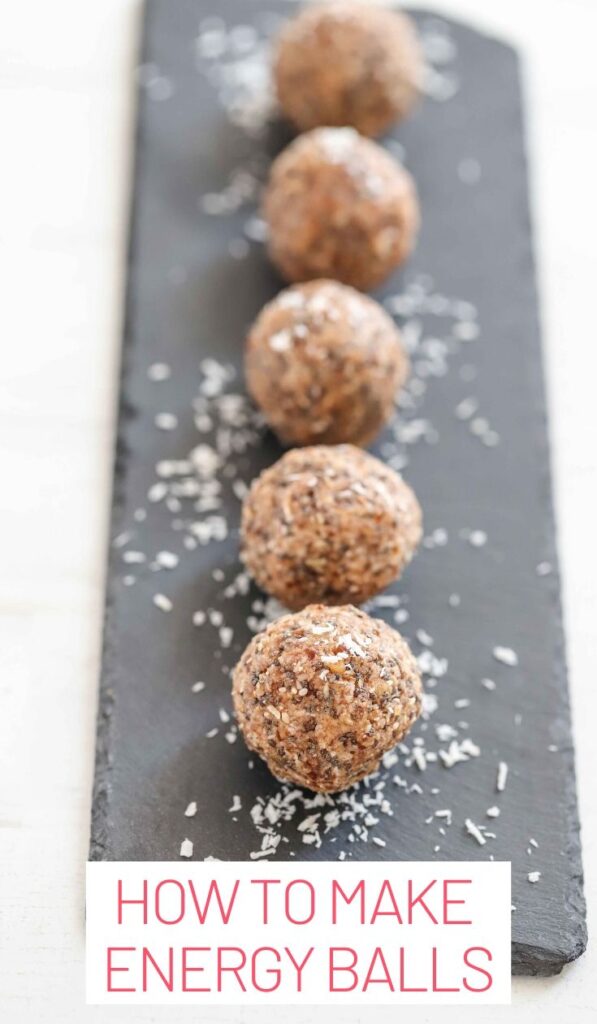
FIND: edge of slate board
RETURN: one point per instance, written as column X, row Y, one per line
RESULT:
column 526, row 959
column 99, row 841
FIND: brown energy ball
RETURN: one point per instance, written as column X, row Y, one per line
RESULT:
column 337, row 205
column 323, row 694
column 335, row 360
column 347, row 64
column 328, row 524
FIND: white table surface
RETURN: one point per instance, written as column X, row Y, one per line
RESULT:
column 66, row 112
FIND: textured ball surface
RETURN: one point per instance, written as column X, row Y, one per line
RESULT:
column 347, row 64
column 337, row 362
column 323, row 694
column 328, row 524
column 338, row 205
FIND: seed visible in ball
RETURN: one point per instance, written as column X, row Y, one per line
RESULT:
column 338, row 205
column 328, row 524
column 347, row 64
column 337, row 361
column 323, row 694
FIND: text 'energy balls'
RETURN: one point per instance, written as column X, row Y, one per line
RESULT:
column 338, row 205
column 329, row 524
column 336, row 362
column 348, row 64
column 323, row 694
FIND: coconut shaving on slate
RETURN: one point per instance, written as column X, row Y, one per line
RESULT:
column 197, row 492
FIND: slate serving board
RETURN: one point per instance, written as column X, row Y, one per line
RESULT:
column 471, row 435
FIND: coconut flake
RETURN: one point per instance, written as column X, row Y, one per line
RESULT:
column 506, row 656
column 475, row 832
column 502, row 775
column 186, row 848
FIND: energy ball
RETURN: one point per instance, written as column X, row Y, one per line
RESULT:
column 329, row 525
column 323, row 694
column 347, row 64
column 338, row 205
column 337, row 361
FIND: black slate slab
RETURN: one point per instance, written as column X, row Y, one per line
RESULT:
column 468, row 306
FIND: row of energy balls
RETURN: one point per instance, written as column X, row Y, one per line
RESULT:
column 323, row 693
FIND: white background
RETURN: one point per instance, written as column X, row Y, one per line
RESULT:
column 66, row 116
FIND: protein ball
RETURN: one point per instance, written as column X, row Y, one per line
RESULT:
column 337, row 361
column 323, row 694
column 328, row 524
column 338, row 205
column 347, row 64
